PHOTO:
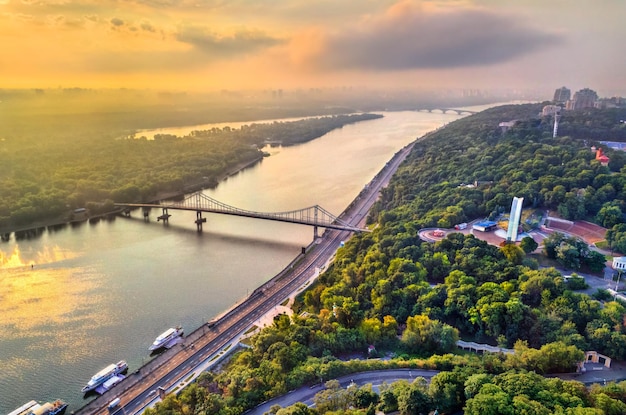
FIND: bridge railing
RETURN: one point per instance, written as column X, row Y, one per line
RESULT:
column 315, row 215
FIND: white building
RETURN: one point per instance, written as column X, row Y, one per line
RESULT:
column 619, row 263
column 549, row 110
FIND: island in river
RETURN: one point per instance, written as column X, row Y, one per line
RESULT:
column 97, row 173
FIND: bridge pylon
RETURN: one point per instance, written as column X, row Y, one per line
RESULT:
column 165, row 216
column 199, row 220
column 315, row 235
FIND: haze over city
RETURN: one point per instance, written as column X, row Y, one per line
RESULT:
column 217, row 44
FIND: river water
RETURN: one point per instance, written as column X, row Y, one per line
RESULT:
column 74, row 299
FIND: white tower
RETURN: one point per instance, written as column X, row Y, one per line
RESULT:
column 514, row 217
column 556, row 124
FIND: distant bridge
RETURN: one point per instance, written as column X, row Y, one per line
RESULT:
column 445, row 110
column 314, row 216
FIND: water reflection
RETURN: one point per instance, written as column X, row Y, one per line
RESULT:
column 30, row 233
column 47, row 254
column 57, row 227
column 35, row 301
column 102, row 292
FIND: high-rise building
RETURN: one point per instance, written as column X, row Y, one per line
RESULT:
column 585, row 98
column 562, row 94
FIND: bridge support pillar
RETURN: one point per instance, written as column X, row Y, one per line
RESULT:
column 146, row 213
column 315, row 235
column 199, row 220
column 165, row 216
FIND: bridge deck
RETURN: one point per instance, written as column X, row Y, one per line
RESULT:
column 198, row 202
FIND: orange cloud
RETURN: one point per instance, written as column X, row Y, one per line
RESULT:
column 306, row 46
column 136, row 43
column 410, row 36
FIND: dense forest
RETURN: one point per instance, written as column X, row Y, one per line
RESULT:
column 65, row 148
column 388, row 293
column 46, row 178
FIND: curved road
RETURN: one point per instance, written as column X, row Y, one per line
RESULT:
column 180, row 362
column 306, row 394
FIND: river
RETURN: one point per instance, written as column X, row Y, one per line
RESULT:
column 74, row 299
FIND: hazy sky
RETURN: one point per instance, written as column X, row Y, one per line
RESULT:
column 239, row 44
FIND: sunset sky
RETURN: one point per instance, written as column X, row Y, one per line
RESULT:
column 206, row 45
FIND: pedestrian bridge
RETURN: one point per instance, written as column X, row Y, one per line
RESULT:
column 315, row 216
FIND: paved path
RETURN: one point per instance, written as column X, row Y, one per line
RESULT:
column 597, row 373
column 306, row 394
column 594, row 374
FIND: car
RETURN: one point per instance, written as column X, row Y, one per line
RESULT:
column 115, row 402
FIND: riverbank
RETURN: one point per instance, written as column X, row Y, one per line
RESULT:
column 209, row 183
column 36, row 228
column 174, row 369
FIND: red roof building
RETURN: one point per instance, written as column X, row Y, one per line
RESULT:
column 602, row 158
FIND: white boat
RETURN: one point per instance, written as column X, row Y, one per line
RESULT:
column 25, row 409
column 104, row 375
column 33, row 408
column 166, row 337
column 51, row 408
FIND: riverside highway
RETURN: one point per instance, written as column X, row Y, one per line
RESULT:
column 181, row 362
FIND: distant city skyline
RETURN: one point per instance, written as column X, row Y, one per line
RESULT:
column 208, row 45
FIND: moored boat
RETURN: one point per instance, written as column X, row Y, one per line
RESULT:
column 104, row 375
column 25, row 409
column 51, row 408
column 166, row 338
column 33, row 408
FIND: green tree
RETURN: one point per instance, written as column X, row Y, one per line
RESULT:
column 446, row 390
column 522, row 405
column 595, row 260
column 513, row 253
column 568, row 256
column 474, row 382
column 414, row 400
column 461, row 297
column 334, row 397
column 551, row 243
column 610, row 215
column 491, row 400
column 366, row 397
column 528, row 244
column 423, row 335
column 609, row 405
column 296, row 409
column 388, row 401
column 616, row 237
column 371, row 329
